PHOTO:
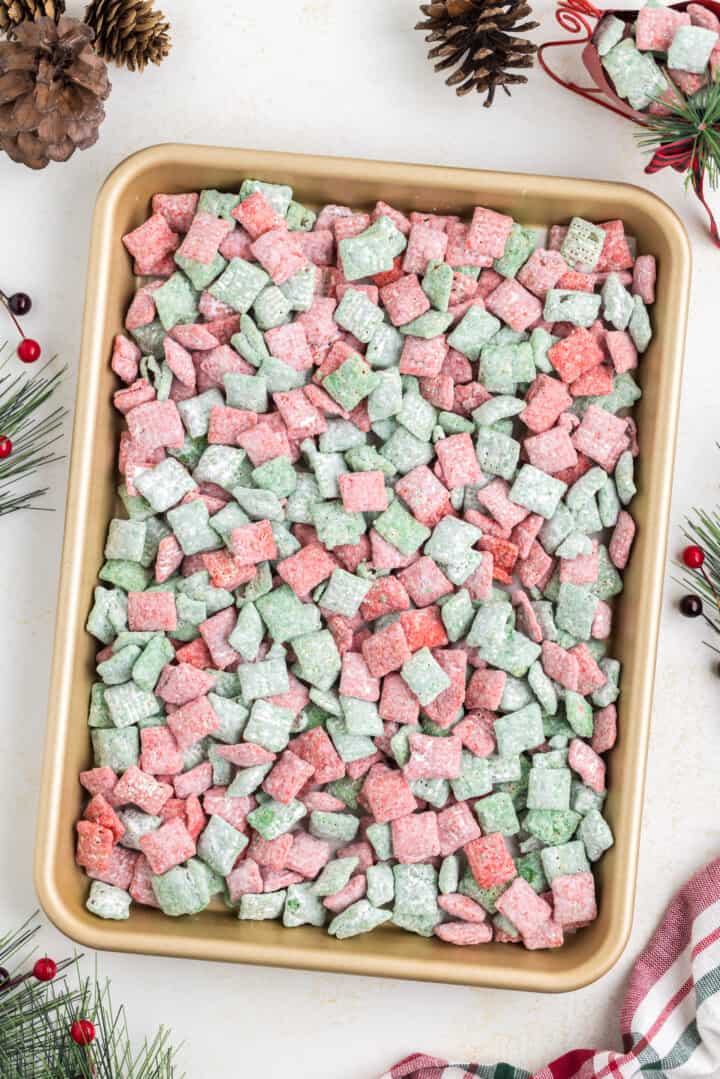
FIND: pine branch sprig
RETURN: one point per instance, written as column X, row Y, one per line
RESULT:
column 693, row 120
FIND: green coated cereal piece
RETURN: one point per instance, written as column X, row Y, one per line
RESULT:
column 617, row 302
column 269, row 724
column 577, row 543
column 486, row 897
column 380, row 884
column 387, row 398
column 318, row 658
column 300, row 218
column 583, row 799
column 586, row 517
column 400, row 746
column 345, row 592
column 351, row 382
column 164, row 486
column 551, row 826
column 158, row 375
column 565, row 305
column 150, row 338
column 401, row 529
column 596, row 834
column 118, row 749
column 497, row 453
column 549, row 788
column 379, row 836
column 99, row 714
column 516, row 694
column 220, row 844
column 299, row 290
column 125, row 540
column 221, row 769
column 246, row 391
column 459, row 571
column 530, row 868
column 360, row 917
column 473, row 332
column 437, row 284
column 357, row 314
column 422, row 924
column 260, row 585
column 416, row 890
column 190, row 524
column 148, row 666
column 302, row 907
column 434, row 791
column 335, row 827
column 519, row 731
column 265, row 679
column 259, row 505
column 417, row 415
column 519, row 246
column 424, row 676
column 449, row 874
column 609, row 582
column 543, row 688
column 248, row 633
column 276, row 475
column 405, row 451
column 496, row 813
column 108, row 615
column 564, row 859
column 273, row 819
column 497, row 408
column 583, row 244
column 429, row 324
column 452, row 424
column 608, row 503
column 107, row 901
column 475, row 778
column 334, row 876
column 155, row 530
column 624, row 477
column 299, row 504
column 370, row 252
column 335, row 526
column 129, row 576
column 575, row 610
column 491, row 624
column 609, row 32
column 178, row 892
column 218, row 203
column 176, row 302
column 385, row 346
column 250, row 342
column 239, row 285
column 610, row 692
column 540, row 342
column 497, row 368
column 136, row 824
column 690, row 49
column 232, row 716
column 545, row 616
column 451, row 540
column 278, row 195
column 263, row 906
column 586, row 487
column 328, row 700
column 635, row 74
column 367, row 459
column 361, row 717
column 247, row 780
column 285, row 541
column 503, row 924
column 579, row 714
column 201, row 274
column 190, row 452
column 280, row 376
column 557, row 528
column 286, row 616
column 347, row 790
column 118, row 668
column 537, row 491
column 195, row 412
column 515, row 654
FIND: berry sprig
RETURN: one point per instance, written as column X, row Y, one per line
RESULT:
column 17, row 305
column 693, row 557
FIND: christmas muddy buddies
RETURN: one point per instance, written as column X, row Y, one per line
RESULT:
column 354, row 619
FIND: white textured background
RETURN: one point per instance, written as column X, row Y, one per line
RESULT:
column 342, row 77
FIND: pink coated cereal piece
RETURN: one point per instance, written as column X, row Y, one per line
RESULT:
column 596, row 382
column 225, row 570
column 463, row 289
column 216, row 363
column 514, row 305
column 423, row 628
column 320, row 327
column 141, row 885
column 456, row 827
column 192, row 721
column 479, row 583
column 151, row 611
column 203, row 238
column 469, row 396
column 226, row 424
column 308, row 855
column 425, row 582
column 397, row 701
column 545, row 401
column 459, row 461
column 288, row 775
column 328, row 803
column 622, row 540
column 245, row 879
column 322, row 400
column 253, row 543
column 94, row 846
column 487, row 282
column 551, row 450
column 457, row 366
column 356, row 680
column 138, row 788
column 542, row 271
column 532, row 570
column 307, row 568
column 702, row 16
column 180, row 362
column 687, row 81
column 547, row 935
column 415, row 838
column 274, row 880
column 604, row 729
column 153, row 424
column 318, row 246
column 196, row 781
column 163, row 268
column 303, row 419
column 590, row 675
column 224, row 327
column 256, row 215
column 194, row 336
column 404, row 299
column 616, row 255
column 125, row 358
column 178, row 210
column 295, row 699
column 574, row 355
column 574, row 900
column 160, row 753
column 489, row 231
column 461, row 906
column 577, row 282
column 494, row 497
column 357, row 769
column 520, row 904
column 363, row 491
column 476, row 732
column 195, row 819
column 262, row 443
column 399, row 220
column 233, row 810
column 490, row 861
column 170, row 845
column 424, row 243
column 271, row 853
column 602, row 621
column 237, row 244
column 179, row 391
column 441, row 222
column 525, row 532
column 443, row 711
column 622, row 350
column 246, row 755
column 360, row 850
column 386, row 596
column 426, row 497
column 195, row 653
column 439, row 390
column 99, row 811
column 279, row 254
column 388, row 796
column 326, row 217
column 463, row 933
column 433, row 758
column 386, row 650
column 526, row 617
column 289, row 344
column 215, row 632
column 354, row 889
column 588, row 765
column 315, row 747
column 601, row 436
column 150, row 242
column 560, row 665
column 119, row 870
column 422, row 357
column 99, row 781
column 656, row 27
column 346, row 226
column 583, row 569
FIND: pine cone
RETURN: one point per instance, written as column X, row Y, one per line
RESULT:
column 13, row 12
column 52, row 85
column 474, row 38
column 129, row 32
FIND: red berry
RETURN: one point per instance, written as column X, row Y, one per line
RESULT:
column 693, row 556
column 28, row 350
column 82, row 1032
column 45, row 969
column 5, row 447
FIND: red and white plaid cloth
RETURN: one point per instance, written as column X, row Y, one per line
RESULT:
column 670, row 1019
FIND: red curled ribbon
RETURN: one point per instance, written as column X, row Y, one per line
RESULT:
column 574, row 16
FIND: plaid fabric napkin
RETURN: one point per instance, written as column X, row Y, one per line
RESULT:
column 670, row 1019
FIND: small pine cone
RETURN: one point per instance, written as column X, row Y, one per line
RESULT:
column 13, row 12
column 129, row 32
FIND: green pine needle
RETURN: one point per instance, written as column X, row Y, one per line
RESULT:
column 696, row 119
column 32, row 431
